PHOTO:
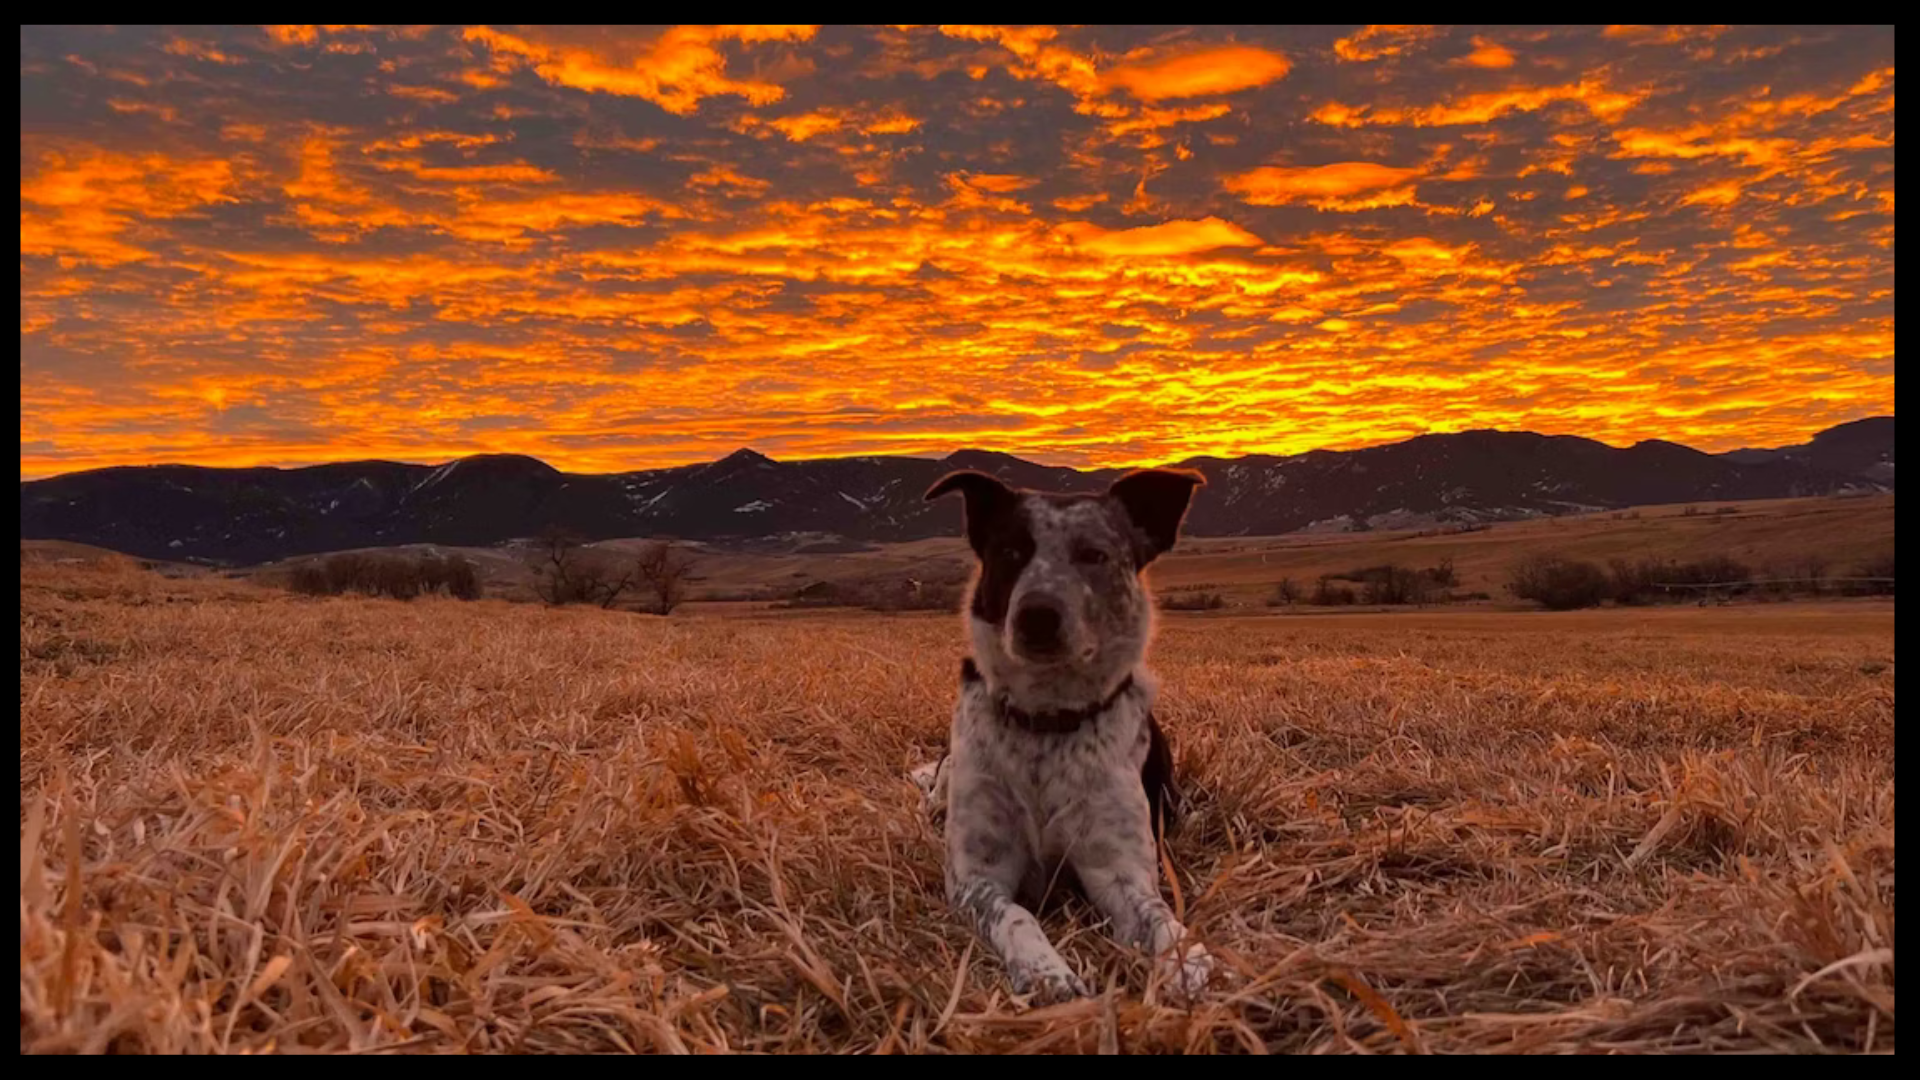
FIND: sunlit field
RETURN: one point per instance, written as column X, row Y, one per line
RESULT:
column 258, row 823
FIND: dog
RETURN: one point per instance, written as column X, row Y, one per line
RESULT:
column 1056, row 769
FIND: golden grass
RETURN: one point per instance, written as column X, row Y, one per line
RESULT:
column 258, row 823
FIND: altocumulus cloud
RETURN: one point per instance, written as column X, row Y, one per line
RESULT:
column 620, row 248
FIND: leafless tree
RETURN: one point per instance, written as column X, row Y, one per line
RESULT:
column 664, row 569
column 565, row 571
column 555, row 565
column 607, row 579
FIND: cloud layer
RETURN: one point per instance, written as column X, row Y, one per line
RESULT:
column 622, row 248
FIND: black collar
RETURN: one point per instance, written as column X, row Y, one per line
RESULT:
column 1057, row 721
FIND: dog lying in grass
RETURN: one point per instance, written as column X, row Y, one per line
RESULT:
column 1056, row 769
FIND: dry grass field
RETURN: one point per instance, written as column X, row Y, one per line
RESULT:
column 253, row 822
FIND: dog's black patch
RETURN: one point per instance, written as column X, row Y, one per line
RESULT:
column 999, row 533
column 1156, row 774
column 1155, row 501
column 969, row 671
column 1008, row 547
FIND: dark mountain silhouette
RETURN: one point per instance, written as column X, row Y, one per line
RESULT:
column 243, row 516
column 1863, row 447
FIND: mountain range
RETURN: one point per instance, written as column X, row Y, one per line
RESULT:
column 251, row 515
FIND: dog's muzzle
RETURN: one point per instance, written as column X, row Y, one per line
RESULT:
column 1037, row 626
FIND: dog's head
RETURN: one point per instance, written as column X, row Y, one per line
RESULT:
column 1059, row 611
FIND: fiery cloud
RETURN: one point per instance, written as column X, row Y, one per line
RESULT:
column 675, row 70
column 1171, row 238
column 1277, row 185
column 1199, row 73
column 1375, row 42
column 622, row 248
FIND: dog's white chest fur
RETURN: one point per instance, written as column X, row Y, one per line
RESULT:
column 1066, row 788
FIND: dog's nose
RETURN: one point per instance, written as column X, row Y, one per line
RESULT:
column 1036, row 626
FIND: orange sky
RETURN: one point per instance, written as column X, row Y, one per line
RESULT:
column 616, row 249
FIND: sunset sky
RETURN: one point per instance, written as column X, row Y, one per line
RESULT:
column 619, row 249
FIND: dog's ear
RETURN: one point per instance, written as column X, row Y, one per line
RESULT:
column 987, row 501
column 1155, row 501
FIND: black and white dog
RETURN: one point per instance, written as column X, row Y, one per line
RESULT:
column 1057, row 770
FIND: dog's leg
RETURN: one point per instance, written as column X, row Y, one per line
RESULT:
column 1119, row 876
column 932, row 779
column 1033, row 965
column 984, row 867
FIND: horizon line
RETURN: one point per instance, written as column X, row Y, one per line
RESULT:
column 1161, row 463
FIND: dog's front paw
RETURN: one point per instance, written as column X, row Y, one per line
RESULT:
column 1187, row 977
column 1046, row 985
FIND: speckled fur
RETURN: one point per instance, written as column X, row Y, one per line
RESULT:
column 1029, row 811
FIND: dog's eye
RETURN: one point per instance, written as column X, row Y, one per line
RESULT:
column 1011, row 553
column 1087, row 556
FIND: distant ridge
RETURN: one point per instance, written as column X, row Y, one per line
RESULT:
column 240, row 516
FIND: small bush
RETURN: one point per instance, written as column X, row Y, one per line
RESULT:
column 1198, row 601
column 1880, row 566
column 1327, row 593
column 1634, row 581
column 1397, row 586
column 1810, row 572
column 1389, row 583
column 1286, row 592
column 454, row 575
column 1557, row 583
column 398, row 577
column 309, row 579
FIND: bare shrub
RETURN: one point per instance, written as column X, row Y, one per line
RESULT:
column 1880, row 566
column 558, row 573
column 1286, row 592
column 1722, row 569
column 662, row 570
column 454, row 575
column 310, row 579
column 1634, row 580
column 1557, row 583
column 399, row 577
column 1193, row 601
column 1397, row 585
column 1811, row 570
column 566, row 571
column 1327, row 592
column 1391, row 583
